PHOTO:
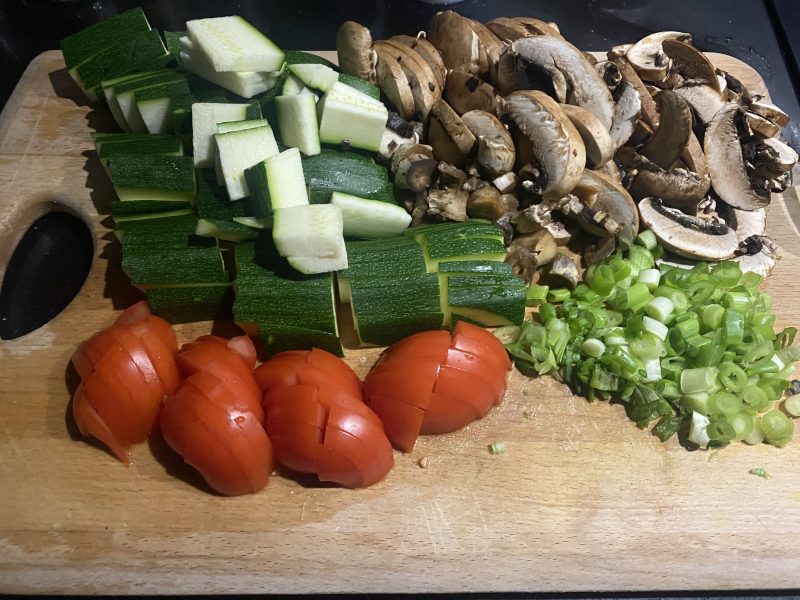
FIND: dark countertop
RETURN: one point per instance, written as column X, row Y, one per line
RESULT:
column 759, row 33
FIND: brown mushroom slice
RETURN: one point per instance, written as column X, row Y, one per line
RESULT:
column 677, row 187
column 619, row 51
column 771, row 157
column 610, row 73
column 690, row 62
column 596, row 138
column 761, row 126
column 495, row 148
column 694, row 158
column 354, row 51
column 424, row 88
column 704, row 99
column 649, row 110
column 647, row 55
column 601, row 249
column 458, row 44
column 428, row 52
column 561, row 60
column 537, row 26
column 672, row 136
column 413, row 165
column 563, row 272
column 508, row 29
column 465, row 92
column 488, row 203
column 556, row 144
column 746, row 223
column 451, row 140
column 688, row 236
column 613, row 208
column 611, row 170
column 491, row 45
column 448, row 204
column 627, row 109
column 395, row 85
column 769, row 111
column 723, row 152
column 529, row 251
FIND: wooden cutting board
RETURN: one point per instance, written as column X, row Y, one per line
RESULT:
column 582, row 500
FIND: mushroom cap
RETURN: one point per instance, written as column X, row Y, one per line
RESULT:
column 765, row 109
column 686, row 241
column 676, row 187
column 456, row 40
column 424, row 88
column 428, row 52
column 596, row 138
column 395, row 85
column 556, row 144
column 690, row 62
column 496, row 152
column 615, row 201
column 674, row 129
column 761, row 126
column 465, row 92
column 649, row 110
column 723, row 152
column 561, row 60
column 354, row 50
column 647, row 55
column 626, row 113
column 745, row 223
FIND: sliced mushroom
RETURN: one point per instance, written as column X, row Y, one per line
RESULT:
column 611, row 170
column 687, row 236
column 395, row 85
column 413, row 165
column 561, row 61
column 451, row 176
column 448, row 204
column 559, row 232
column 555, row 142
column 672, row 136
column 457, row 42
column 507, row 79
column 596, row 138
column 770, row 158
column 419, row 213
column 495, row 148
column 723, row 152
column 616, row 209
column 610, row 73
column 538, row 27
column 529, row 251
column 596, row 252
column 488, row 203
column 746, row 223
column 563, row 272
column 647, row 55
column 676, row 187
column 627, row 109
column 690, row 63
column 769, row 111
column 428, row 52
column 704, row 99
column 465, row 92
column 694, row 158
column 354, row 50
column 424, row 88
column 490, row 44
column 391, row 141
column 508, row 29
column 619, row 51
column 451, row 140
column 649, row 110
column 761, row 126
column 761, row 257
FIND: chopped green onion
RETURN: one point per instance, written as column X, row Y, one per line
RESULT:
column 727, row 273
column 603, row 379
column 712, row 316
column 742, row 424
column 593, row 347
column 698, row 380
column 601, row 279
column 725, row 403
column 760, row 472
column 698, row 430
column 751, row 280
column 647, row 239
column 777, row 428
column 547, row 312
column 497, row 448
column 792, row 405
column 650, row 277
column 738, row 301
column 755, row 436
column 660, row 308
column 652, row 370
column 585, row 293
column 679, row 300
column 700, row 291
column 639, row 258
column 621, row 269
column 647, row 347
column 719, row 430
column 697, row 402
column 657, row 328
column 625, row 299
column 558, row 296
column 733, row 327
column 688, row 327
column 536, row 294
column 732, row 377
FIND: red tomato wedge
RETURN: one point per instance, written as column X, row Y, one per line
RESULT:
column 313, row 366
column 126, row 371
column 436, row 382
column 323, row 430
column 227, row 445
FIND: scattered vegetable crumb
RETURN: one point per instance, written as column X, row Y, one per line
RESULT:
column 524, row 391
column 526, row 414
column 497, row 448
column 362, row 360
column 760, row 472
column 423, row 462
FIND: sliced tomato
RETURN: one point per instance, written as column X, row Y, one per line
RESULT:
column 362, row 440
column 447, row 414
column 241, row 345
column 471, row 363
column 467, row 387
column 401, row 421
column 295, row 424
column 307, row 367
column 225, row 394
column 164, row 331
column 228, row 447
column 478, row 341
column 409, row 381
column 163, row 359
column 140, row 357
column 134, row 313
column 91, row 424
column 427, row 344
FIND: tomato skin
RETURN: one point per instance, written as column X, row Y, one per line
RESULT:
column 126, row 371
column 328, row 432
column 313, row 366
column 436, row 382
column 204, row 423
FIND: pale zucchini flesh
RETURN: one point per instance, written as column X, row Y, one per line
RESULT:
column 285, row 180
column 370, row 219
column 297, row 122
column 309, row 230
column 351, row 117
column 239, row 150
column 233, row 44
column 206, row 117
column 319, row 77
column 245, row 84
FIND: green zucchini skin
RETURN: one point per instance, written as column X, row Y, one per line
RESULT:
column 280, row 338
column 362, row 85
column 298, row 57
column 166, row 145
column 500, row 299
column 167, row 229
column 84, row 44
column 345, row 171
column 190, row 303
column 172, row 40
column 165, row 173
column 138, row 208
column 390, row 256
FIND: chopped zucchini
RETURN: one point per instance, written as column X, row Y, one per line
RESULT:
column 308, row 230
column 362, row 85
column 321, row 264
column 206, row 116
column 172, row 40
column 94, row 39
column 298, row 57
column 233, row 44
column 349, row 116
column 139, row 177
column 370, row 219
column 156, row 104
column 348, row 172
column 190, row 303
column 125, row 95
column 319, row 77
column 292, row 86
column 216, row 214
column 239, row 150
column 240, row 125
column 297, row 122
column 245, row 84
column 280, row 338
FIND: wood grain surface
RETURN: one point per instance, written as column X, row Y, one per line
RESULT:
column 582, row 500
